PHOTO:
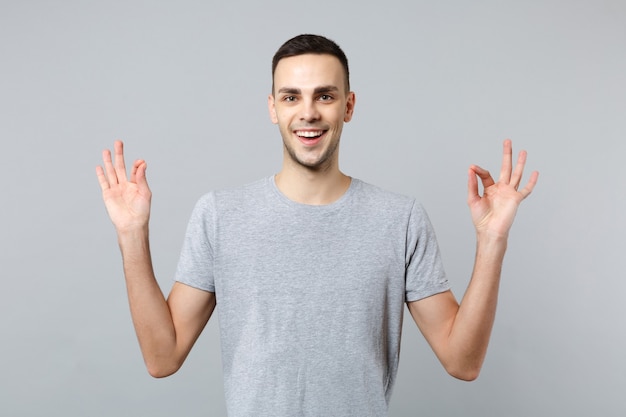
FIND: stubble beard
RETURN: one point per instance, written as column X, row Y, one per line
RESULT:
column 323, row 163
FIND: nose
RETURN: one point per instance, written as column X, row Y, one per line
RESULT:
column 309, row 111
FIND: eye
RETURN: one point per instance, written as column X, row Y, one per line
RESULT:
column 289, row 98
column 326, row 97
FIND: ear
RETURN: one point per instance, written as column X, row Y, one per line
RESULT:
column 350, row 102
column 271, row 107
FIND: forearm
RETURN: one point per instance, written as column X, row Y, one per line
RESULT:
column 149, row 310
column 471, row 330
column 460, row 334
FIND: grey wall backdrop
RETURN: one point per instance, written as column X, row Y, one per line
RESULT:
column 439, row 85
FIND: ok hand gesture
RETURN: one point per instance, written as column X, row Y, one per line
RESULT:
column 126, row 201
column 493, row 212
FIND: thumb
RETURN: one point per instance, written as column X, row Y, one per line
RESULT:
column 472, row 187
column 142, row 181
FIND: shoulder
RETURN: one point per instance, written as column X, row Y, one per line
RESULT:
column 390, row 203
column 382, row 197
column 236, row 193
column 233, row 199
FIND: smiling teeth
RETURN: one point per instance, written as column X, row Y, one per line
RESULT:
column 309, row 134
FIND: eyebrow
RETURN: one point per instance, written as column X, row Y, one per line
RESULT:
column 317, row 90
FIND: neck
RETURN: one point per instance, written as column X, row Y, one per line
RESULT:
column 312, row 187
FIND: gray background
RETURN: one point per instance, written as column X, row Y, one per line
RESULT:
column 439, row 85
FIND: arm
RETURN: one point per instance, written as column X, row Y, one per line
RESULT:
column 459, row 334
column 166, row 329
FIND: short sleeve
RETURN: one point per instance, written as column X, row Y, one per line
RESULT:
column 195, row 265
column 425, row 275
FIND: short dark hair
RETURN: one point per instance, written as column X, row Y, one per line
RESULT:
column 311, row 44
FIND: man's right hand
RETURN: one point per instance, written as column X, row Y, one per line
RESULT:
column 127, row 200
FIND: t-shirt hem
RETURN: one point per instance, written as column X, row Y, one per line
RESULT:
column 207, row 288
column 420, row 295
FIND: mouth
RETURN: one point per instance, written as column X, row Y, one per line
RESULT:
column 309, row 136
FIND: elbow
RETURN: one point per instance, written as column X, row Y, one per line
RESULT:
column 161, row 363
column 464, row 366
column 161, row 370
column 159, row 373
column 467, row 375
column 464, row 371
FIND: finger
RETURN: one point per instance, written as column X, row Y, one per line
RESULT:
column 516, row 178
column 530, row 186
column 108, row 166
column 484, row 175
column 120, row 166
column 507, row 161
column 133, row 171
column 141, row 179
column 102, row 179
column 472, row 186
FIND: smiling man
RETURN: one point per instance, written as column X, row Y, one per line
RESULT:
column 310, row 269
column 308, row 113
column 310, row 103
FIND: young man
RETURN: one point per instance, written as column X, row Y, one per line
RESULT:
column 310, row 269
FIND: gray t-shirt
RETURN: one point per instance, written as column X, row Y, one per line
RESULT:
column 310, row 299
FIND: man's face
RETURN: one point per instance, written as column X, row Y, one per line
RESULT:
column 310, row 105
